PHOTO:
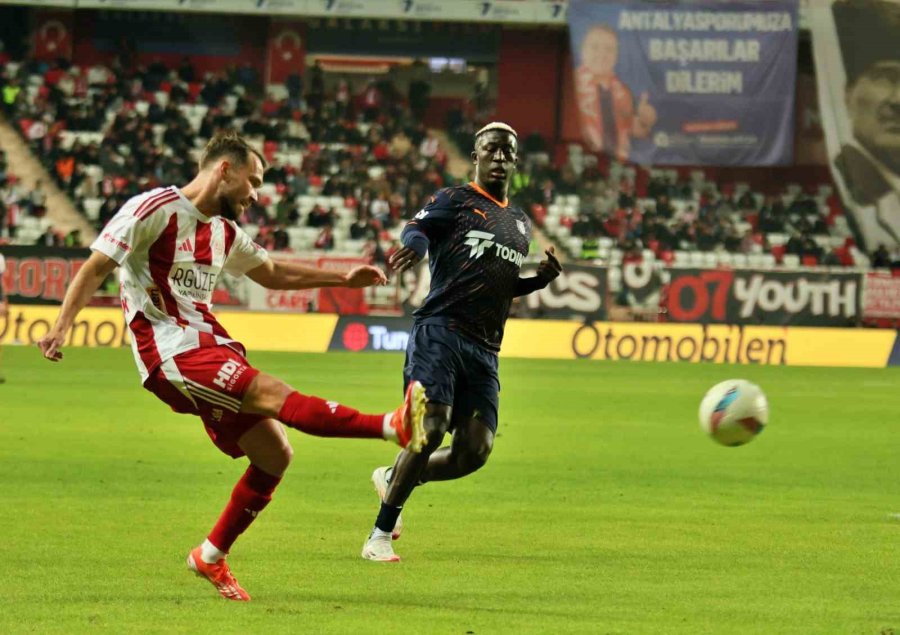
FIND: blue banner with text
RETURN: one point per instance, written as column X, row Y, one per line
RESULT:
column 686, row 82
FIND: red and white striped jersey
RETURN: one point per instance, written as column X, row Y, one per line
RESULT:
column 170, row 256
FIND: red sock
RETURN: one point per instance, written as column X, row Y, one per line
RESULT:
column 249, row 497
column 313, row 415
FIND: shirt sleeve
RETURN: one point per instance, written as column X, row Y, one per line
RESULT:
column 430, row 223
column 126, row 233
column 244, row 254
column 436, row 216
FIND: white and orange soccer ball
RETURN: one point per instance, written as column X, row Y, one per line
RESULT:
column 734, row 411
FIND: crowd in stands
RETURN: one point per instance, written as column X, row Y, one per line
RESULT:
column 343, row 169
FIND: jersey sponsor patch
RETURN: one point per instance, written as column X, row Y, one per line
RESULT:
column 480, row 242
column 193, row 281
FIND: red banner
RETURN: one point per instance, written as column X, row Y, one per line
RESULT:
column 285, row 50
column 882, row 296
column 52, row 34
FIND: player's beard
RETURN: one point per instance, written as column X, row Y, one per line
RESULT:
column 227, row 208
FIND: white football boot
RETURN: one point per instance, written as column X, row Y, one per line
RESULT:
column 378, row 548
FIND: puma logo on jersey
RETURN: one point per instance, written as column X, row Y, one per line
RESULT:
column 475, row 210
column 479, row 241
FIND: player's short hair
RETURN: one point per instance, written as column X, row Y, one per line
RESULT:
column 228, row 143
column 496, row 125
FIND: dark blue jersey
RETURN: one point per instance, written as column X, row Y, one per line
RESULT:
column 476, row 247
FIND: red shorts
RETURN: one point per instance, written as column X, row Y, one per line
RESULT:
column 209, row 382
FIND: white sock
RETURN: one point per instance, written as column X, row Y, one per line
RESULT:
column 377, row 533
column 209, row 553
column 388, row 431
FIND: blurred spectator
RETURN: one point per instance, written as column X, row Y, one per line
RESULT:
column 881, row 258
column 325, row 240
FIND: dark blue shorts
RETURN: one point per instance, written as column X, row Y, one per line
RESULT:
column 455, row 371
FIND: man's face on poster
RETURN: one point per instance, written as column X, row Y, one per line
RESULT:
column 873, row 104
column 600, row 51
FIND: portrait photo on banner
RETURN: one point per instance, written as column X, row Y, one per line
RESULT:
column 857, row 57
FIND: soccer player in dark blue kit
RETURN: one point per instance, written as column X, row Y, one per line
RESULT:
column 476, row 243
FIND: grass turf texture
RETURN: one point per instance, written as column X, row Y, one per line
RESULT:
column 603, row 509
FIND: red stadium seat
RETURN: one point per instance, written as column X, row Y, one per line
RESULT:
column 269, row 150
column 778, row 252
column 809, row 260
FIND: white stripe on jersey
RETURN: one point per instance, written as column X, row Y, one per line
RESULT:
column 173, row 375
column 170, row 257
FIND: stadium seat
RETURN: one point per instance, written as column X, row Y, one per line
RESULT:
column 92, row 208
column 574, row 245
column 710, row 259
column 792, row 261
column 724, row 258
column 681, row 258
column 740, row 260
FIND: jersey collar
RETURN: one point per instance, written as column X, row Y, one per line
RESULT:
column 478, row 189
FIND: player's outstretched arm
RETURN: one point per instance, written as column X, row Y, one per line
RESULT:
column 548, row 270
column 83, row 286
column 283, row 275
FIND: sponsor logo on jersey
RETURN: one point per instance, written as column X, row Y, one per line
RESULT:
column 522, row 228
column 196, row 283
column 228, row 374
column 115, row 241
column 480, row 241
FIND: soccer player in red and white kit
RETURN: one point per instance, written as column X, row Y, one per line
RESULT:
column 171, row 245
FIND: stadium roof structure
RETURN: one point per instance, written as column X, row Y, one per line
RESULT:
column 510, row 11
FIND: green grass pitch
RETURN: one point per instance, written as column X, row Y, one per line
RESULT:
column 604, row 509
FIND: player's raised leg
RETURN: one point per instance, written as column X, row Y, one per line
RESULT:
column 270, row 453
column 271, row 397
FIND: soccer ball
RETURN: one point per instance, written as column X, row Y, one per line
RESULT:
column 733, row 412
